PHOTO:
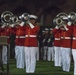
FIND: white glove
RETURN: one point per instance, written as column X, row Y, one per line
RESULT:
column 69, row 23
column 49, row 40
column 2, row 26
column 22, row 23
column 43, row 40
column 56, row 27
column 12, row 25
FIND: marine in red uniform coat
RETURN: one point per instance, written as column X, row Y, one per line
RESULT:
column 6, row 31
column 66, row 43
column 31, row 44
column 57, row 43
column 74, row 46
column 19, row 45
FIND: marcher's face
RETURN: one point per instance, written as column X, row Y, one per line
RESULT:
column 32, row 21
column 46, row 31
column 75, row 23
column 64, row 23
column 50, row 32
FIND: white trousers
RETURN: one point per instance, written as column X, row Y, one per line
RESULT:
column 50, row 54
column 74, row 58
column 57, row 56
column 30, row 59
column 19, row 55
column 66, row 58
column 4, row 54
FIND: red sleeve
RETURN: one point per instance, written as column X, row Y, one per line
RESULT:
column 55, row 31
column 13, row 30
column 36, row 29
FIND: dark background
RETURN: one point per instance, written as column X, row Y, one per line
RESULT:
column 44, row 9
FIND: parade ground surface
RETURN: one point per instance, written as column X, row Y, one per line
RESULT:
column 42, row 68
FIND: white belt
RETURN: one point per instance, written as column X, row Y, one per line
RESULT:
column 20, row 36
column 7, row 36
column 74, row 38
column 57, row 38
column 65, row 38
column 30, row 35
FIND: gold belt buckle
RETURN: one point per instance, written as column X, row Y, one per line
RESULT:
column 64, row 37
column 28, row 35
column 18, row 36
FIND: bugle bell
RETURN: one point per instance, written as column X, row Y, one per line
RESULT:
column 24, row 17
column 57, row 21
column 72, row 17
column 14, row 19
column 6, row 17
column 63, row 15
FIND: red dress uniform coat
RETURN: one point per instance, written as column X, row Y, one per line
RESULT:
column 20, row 36
column 6, row 32
column 0, row 30
column 30, row 37
column 74, row 37
column 66, row 39
column 56, row 33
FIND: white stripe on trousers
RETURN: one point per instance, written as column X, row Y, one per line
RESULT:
column 45, row 48
column 37, row 54
column 50, row 54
